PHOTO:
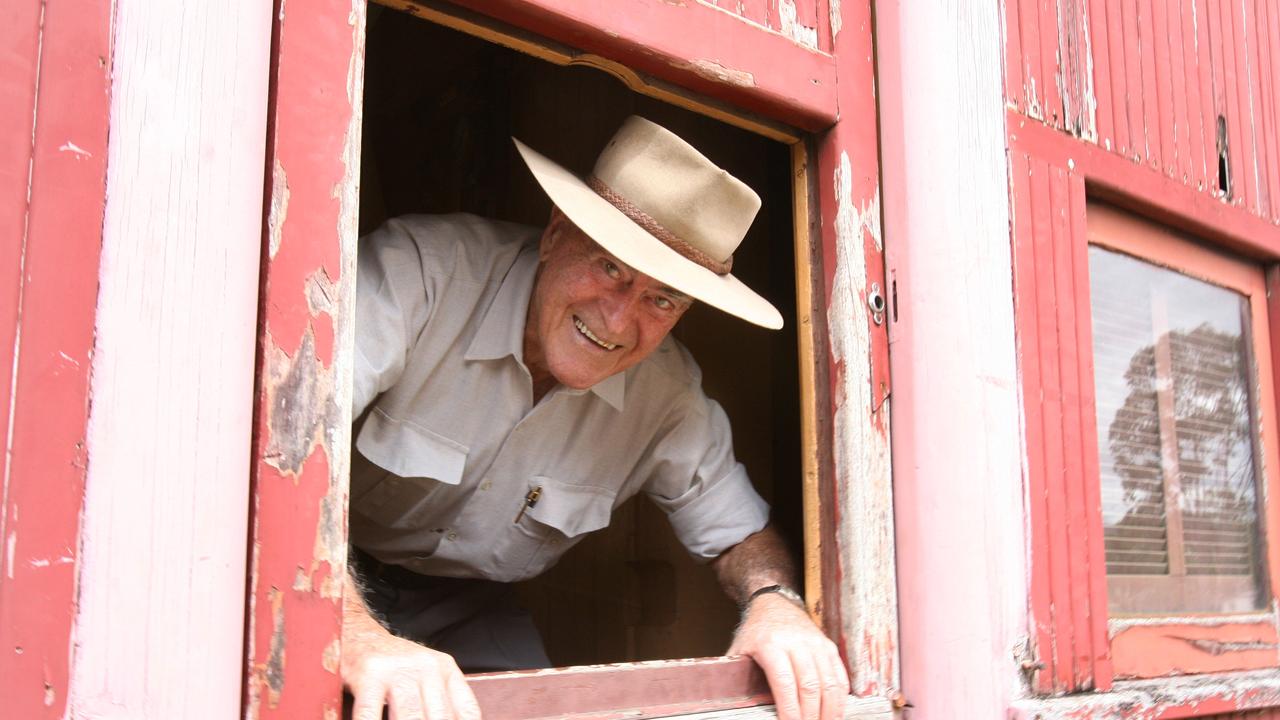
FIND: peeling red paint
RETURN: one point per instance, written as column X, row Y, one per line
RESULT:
column 303, row 409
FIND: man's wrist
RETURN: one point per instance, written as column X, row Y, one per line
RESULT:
column 775, row 589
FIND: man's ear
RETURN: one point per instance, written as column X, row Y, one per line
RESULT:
column 551, row 234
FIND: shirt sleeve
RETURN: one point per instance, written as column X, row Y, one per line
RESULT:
column 698, row 482
column 393, row 299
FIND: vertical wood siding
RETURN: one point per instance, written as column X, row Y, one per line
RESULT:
column 805, row 21
column 1153, row 81
column 54, row 82
column 1051, row 310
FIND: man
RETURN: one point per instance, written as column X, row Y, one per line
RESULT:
column 516, row 387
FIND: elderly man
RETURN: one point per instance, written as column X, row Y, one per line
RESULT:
column 514, row 387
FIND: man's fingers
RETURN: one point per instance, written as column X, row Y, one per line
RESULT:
column 835, row 683
column 406, row 702
column 367, row 703
column 782, row 683
column 463, row 699
column 809, row 684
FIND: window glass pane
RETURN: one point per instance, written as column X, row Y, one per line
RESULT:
column 1176, row 439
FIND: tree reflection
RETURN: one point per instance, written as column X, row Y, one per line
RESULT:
column 1210, row 407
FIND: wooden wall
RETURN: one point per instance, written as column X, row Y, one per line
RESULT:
column 808, row 22
column 1168, row 109
column 1181, row 87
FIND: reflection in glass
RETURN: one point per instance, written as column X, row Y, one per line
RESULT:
column 1176, row 433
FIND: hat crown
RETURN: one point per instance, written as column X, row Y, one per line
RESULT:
column 687, row 194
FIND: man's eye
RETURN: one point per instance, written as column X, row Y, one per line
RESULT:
column 611, row 270
column 664, row 303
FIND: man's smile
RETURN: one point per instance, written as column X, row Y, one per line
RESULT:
column 585, row 332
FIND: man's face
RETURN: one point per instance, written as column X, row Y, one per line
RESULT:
column 590, row 315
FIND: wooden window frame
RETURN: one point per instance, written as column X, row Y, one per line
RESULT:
column 1150, row 645
column 1074, row 644
column 303, row 427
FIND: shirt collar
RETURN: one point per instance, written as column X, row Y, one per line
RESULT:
column 501, row 331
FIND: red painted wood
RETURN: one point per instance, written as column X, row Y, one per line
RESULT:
column 20, row 34
column 1231, row 92
column 692, row 45
column 1166, row 85
column 1208, row 103
column 1192, row 164
column 1047, row 70
column 1118, row 100
column 1091, row 552
column 1153, row 195
column 1015, row 69
column 635, row 690
column 1180, row 166
column 1148, row 110
column 1067, row 234
column 1032, row 83
column 1100, row 46
column 854, row 137
column 1044, row 214
column 822, row 12
column 1027, row 330
column 757, row 11
column 1152, row 651
column 298, row 535
column 1263, row 133
column 1132, row 97
column 1271, row 71
column 50, row 266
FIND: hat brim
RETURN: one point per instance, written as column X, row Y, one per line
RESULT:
column 615, row 232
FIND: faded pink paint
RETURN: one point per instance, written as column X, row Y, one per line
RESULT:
column 956, row 455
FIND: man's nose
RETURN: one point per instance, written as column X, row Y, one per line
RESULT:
column 620, row 307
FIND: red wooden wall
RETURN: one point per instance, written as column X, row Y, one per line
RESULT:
column 52, row 194
column 1169, row 109
column 1149, row 80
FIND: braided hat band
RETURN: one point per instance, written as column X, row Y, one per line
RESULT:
column 654, row 228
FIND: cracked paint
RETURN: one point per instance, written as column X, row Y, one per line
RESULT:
column 279, row 200
column 861, row 447
column 714, row 71
column 274, row 670
column 792, row 28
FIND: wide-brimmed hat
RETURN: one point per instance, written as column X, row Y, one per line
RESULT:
column 660, row 206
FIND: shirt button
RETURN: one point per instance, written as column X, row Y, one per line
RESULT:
column 486, row 485
column 452, row 536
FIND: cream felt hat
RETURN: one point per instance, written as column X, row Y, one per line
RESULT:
column 660, row 206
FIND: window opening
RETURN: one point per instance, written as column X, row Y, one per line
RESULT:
column 439, row 110
column 1177, row 439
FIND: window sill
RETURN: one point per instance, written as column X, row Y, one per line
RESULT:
column 855, row 708
column 711, row 688
column 1162, row 699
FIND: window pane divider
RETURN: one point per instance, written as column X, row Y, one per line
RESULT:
column 1174, row 542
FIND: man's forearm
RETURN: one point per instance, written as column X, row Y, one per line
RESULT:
column 758, row 561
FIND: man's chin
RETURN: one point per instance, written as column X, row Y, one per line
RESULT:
column 580, row 380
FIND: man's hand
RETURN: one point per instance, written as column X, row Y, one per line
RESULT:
column 805, row 672
column 413, row 681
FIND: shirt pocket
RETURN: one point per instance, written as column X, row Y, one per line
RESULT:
column 406, row 465
column 563, row 514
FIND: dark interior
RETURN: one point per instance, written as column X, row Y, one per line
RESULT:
column 439, row 110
